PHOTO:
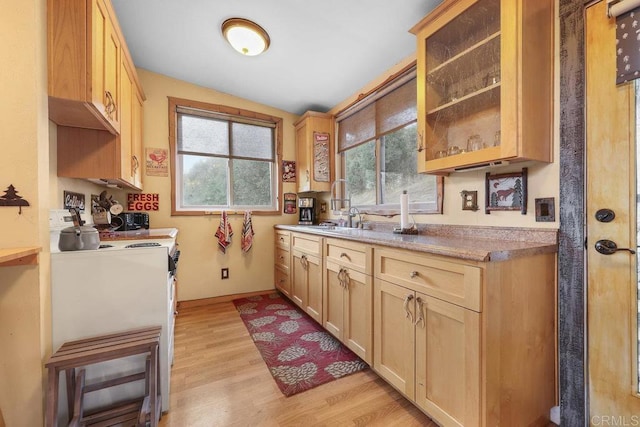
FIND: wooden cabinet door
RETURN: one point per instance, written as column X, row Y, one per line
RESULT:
column 299, row 279
column 126, row 135
column 357, row 314
column 394, row 341
column 136, row 135
column 334, row 301
column 306, row 152
column 302, row 157
column 314, row 287
column 448, row 374
column 105, row 65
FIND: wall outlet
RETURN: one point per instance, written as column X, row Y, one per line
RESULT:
column 224, row 273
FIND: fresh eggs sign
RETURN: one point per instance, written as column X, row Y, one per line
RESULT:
column 143, row 201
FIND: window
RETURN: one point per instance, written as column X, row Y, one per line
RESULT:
column 224, row 158
column 377, row 143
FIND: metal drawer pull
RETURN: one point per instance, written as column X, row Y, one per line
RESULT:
column 344, row 255
column 419, row 314
column 413, row 274
column 409, row 316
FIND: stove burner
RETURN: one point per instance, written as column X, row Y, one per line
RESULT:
column 143, row 245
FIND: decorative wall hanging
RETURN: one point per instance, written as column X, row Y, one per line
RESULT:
column 321, row 157
column 11, row 198
column 289, row 203
column 288, row 171
column 157, row 161
column 73, row 200
column 506, row 192
column 546, row 210
column 143, row 201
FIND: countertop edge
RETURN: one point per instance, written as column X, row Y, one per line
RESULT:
column 453, row 250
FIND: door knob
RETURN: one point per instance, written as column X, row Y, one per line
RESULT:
column 609, row 247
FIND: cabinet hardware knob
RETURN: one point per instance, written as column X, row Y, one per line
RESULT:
column 345, row 255
column 413, row 274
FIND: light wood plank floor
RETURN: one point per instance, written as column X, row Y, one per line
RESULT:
column 219, row 379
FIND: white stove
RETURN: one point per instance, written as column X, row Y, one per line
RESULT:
column 125, row 285
column 60, row 219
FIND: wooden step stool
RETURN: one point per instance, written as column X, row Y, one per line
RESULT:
column 76, row 354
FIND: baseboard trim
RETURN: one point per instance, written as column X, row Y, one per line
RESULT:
column 216, row 300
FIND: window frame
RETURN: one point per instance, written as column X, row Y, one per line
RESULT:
column 233, row 113
column 364, row 100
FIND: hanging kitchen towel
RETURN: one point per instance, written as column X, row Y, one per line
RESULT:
column 247, row 232
column 224, row 232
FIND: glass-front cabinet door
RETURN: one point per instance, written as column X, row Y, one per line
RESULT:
column 485, row 88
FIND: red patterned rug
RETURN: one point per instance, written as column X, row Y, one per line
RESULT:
column 299, row 353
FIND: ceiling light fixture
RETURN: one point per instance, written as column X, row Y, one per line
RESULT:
column 245, row 36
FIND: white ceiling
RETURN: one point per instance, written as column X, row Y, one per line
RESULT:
column 321, row 52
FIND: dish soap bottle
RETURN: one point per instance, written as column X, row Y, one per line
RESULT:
column 341, row 221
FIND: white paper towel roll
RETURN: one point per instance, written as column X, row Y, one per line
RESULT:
column 404, row 210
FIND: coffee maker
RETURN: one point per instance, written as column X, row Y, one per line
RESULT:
column 307, row 208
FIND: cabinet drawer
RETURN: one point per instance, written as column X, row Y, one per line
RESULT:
column 282, row 280
column 282, row 239
column 458, row 283
column 349, row 254
column 282, row 258
column 307, row 243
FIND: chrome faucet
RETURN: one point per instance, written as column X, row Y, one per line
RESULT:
column 333, row 199
column 353, row 211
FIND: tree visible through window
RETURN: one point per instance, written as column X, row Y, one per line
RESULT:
column 379, row 157
column 224, row 160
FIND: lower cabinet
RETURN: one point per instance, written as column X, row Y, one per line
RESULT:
column 306, row 274
column 447, row 361
column 428, row 350
column 486, row 356
column 394, row 336
column 282, row 262
column 347, row 308
column 469, row 343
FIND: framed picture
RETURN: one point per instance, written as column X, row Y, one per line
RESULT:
column 73, row 200
column 289, row 203
column 506, row 192
column 288, row 171
column 320, row 157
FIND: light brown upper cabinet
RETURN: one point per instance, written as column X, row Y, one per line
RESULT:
column 94, row 94
column 84, row 54
column 314, row 145
column 485, row 84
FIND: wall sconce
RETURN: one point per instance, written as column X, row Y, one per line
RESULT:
column 245, row 36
